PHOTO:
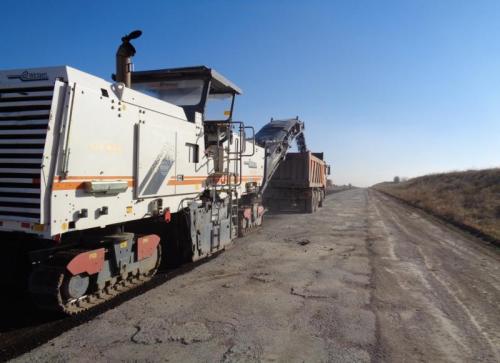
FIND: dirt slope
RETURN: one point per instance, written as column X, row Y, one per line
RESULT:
column 471, row 198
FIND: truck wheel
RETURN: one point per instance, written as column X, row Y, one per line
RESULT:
column 315, row 201
column 310, row 204
column 321, row 199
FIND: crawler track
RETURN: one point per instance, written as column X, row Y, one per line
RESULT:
column 50, row 297
column 23, row 327
column 48, row 287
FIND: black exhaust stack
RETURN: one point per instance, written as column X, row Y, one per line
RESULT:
column 124, row 56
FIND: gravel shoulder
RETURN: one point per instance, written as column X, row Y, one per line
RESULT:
column 364, row 279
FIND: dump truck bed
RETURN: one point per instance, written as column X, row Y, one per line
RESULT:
column 300, row 170
column 298, row 184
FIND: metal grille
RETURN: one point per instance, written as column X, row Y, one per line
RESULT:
column 24, row 116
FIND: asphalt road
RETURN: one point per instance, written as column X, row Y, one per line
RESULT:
column 364, row 279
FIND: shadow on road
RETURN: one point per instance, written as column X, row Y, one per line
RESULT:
column 23, row 327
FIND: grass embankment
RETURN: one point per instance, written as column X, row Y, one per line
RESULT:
column 469, row 199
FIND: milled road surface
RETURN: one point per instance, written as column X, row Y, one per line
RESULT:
column 364, row 279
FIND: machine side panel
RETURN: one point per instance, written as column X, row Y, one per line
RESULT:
column 140, row 100
column 156, row 158
column 109, row 148
column 96, row 146
column 193, row 165
column 100, row 136
column 253, row 166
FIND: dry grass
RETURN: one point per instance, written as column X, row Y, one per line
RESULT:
column 470, row 198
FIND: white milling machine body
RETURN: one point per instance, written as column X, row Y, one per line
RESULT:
column 94, row 154
column 99, row 180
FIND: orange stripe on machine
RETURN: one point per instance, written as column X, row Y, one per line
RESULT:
column 78, row 182
column 194, row 180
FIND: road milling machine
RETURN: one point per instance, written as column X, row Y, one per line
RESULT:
column 102, row 181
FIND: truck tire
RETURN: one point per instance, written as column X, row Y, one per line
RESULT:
column 310, row 204
column 315, row 200
column 321, row 198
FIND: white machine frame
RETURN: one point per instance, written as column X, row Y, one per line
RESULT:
column 111, row 153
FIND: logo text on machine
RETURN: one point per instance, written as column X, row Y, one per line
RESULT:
column 27, row 76
column 250, row 163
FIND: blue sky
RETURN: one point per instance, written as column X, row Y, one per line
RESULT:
column 385, row 87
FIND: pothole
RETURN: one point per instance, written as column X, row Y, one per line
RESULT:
column 157, row 330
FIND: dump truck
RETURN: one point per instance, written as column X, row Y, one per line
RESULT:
column 298, row 184
column 102, row 181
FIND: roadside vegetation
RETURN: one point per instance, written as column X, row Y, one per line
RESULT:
column 470, row 199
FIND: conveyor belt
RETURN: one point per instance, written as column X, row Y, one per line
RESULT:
column 276, row 137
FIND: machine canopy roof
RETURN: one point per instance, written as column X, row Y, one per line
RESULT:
column 218, row 85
